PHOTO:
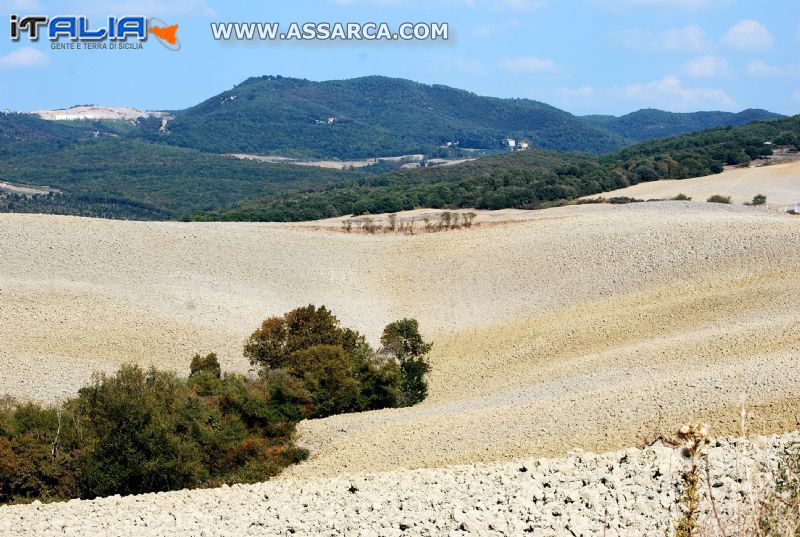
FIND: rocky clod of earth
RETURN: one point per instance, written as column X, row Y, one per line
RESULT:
column 630, row 492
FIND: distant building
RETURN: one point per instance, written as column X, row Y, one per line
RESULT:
column 515, row 145
column 331, row 120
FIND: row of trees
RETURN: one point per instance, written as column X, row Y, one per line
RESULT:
column 146, row 430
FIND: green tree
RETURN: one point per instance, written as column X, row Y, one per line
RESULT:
column 206, row 364
column 402, row 340
column 334, row 367
column 140, row 422
column 331, row 376
column 272, row 345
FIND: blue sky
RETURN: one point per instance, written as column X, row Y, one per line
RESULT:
column 585, row 56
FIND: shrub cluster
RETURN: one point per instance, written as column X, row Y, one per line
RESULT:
column 718, row 198
column 335, row 367
column 144, row 431
column 148, row 431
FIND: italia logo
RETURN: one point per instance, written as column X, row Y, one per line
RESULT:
column 79, row 29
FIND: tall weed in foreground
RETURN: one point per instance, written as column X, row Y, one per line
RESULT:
column 768, row 507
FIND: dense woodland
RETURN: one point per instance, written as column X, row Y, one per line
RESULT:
column 373, row 116
column 528, row 180
column 650, row 124
column 113, row 177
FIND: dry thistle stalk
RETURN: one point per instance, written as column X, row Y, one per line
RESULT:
column 693, row 440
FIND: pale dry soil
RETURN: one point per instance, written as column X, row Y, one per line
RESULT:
column 96, row 112
column 779, row 182
column 588, row 327
column 627, row 493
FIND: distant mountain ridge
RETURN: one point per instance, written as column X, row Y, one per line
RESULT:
column 142, row 168
column 377, row 116
column 650, row 124
column 110, row 175
column 372, row 116
column 380, row 116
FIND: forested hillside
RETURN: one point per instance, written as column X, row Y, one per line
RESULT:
column 529, row 180
column 117, row 178
column 371, row 116
column 649, row 124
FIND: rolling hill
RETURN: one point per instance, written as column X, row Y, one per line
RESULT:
column 371, row 116
column 649, row 124
column 583, row 326
column 530, row 179
column 380, row 116
column 134, row 169
column 98, row 173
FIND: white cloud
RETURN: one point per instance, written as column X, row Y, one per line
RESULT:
column 151, row 8
column 372, row 2
column 670, row 93
column 20, row 6
column 483, row 30
column 458, row 64
column 583, row 91
column 706, row 67
column 24, row 57
column 747, row 35
column 691, row 39
column 761, row 68
column 677, row 5
column 497, row 5
column 489, row 30
column 529, row 64
column 518, row 5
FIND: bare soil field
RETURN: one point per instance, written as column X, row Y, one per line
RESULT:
column 627, row 493
column 779, row 182
column 586, row 326
column 332, row 164
column 24, row 190
column 96, row 112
